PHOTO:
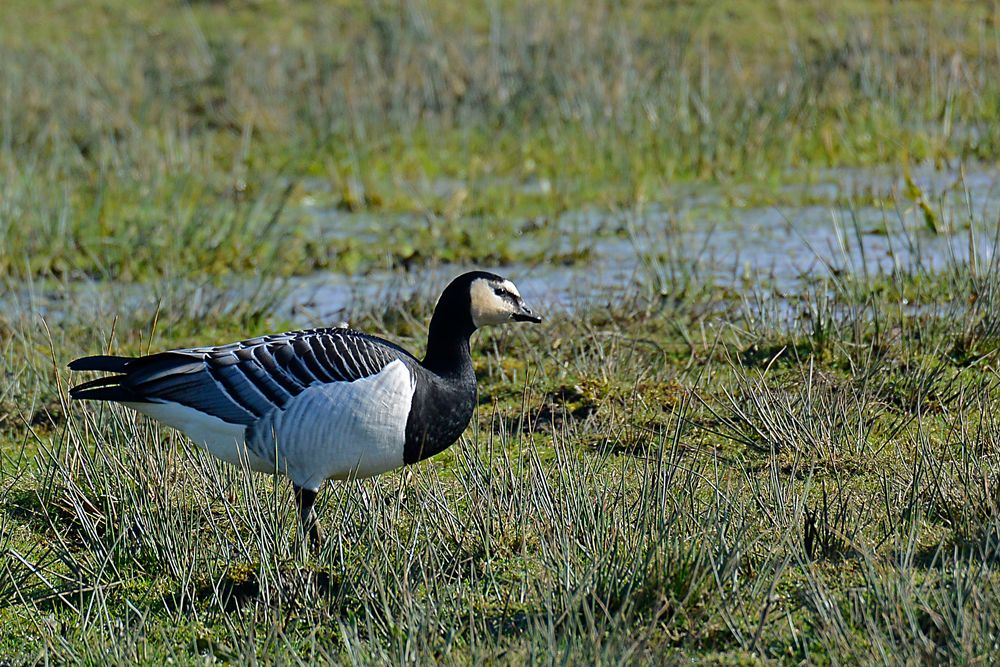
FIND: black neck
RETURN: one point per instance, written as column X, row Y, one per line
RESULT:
column 448, row 345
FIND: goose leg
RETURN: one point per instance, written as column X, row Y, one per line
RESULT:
column 305, row 499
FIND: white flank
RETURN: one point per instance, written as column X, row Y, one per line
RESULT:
column 222, row 439
column 329, row 431
column 341, row 429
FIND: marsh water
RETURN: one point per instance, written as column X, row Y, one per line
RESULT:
column 865, row 221
column 776, row 248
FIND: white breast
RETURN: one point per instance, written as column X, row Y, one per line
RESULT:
column 340, row 429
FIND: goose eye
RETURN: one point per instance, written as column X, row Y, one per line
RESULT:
column 499, row 291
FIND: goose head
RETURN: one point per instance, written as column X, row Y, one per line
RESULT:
column 479, row 298
column 495, row 300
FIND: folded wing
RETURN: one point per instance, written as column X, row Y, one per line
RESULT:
column 241, row 382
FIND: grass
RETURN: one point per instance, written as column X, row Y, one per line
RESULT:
column 696, row 465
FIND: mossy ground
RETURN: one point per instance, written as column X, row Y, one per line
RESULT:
column 676, row 473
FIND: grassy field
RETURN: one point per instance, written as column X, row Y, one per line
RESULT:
column 124, row 119
column 684, row 468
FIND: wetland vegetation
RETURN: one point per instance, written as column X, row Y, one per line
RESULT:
column 760, row 422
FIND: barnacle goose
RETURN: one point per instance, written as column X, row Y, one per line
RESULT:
column 323, row 403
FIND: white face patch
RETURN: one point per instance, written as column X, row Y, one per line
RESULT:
column 487, row 307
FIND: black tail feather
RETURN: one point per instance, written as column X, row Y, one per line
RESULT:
column 111, row 380
column 104, row 389
column 101, row 362
column 110, row 388
column 115, row 393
